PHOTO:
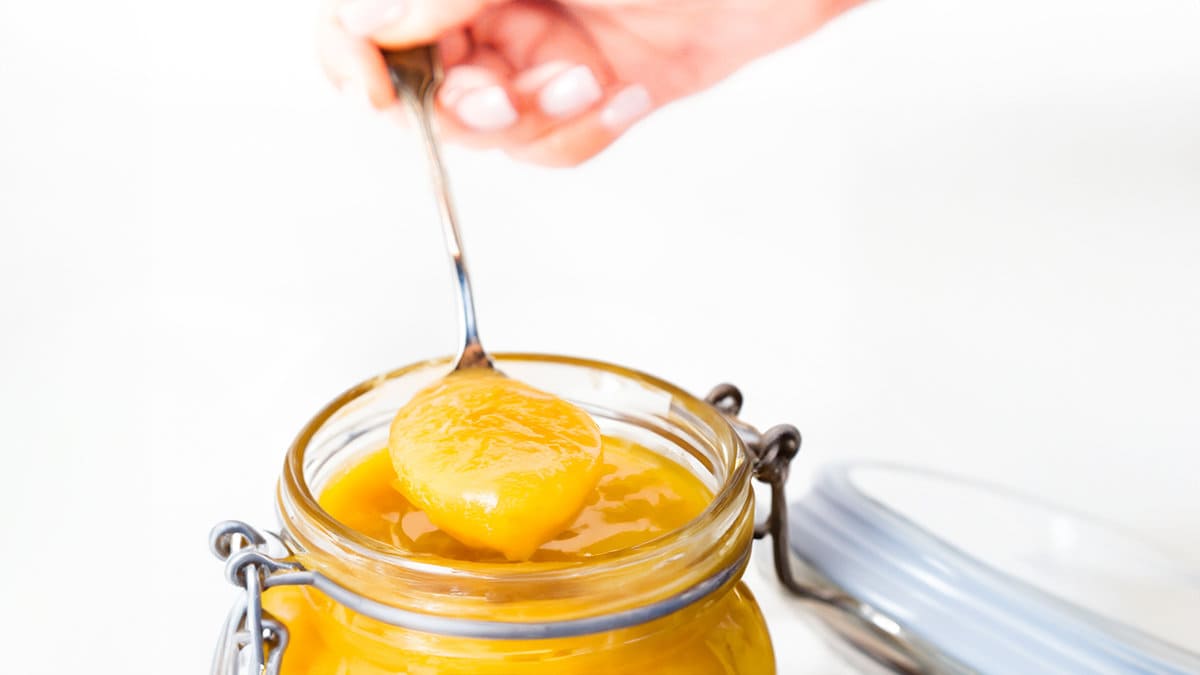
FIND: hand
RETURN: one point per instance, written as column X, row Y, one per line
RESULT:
column 557, row 82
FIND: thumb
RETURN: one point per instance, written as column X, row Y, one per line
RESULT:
column 405, row 23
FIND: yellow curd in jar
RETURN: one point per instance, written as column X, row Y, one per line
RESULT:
column 639, row 496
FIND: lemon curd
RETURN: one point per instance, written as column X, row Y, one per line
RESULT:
column 493, row 461
column 648, row 528
column 640, row 495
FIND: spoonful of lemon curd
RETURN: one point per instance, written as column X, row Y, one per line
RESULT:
column 492, row 461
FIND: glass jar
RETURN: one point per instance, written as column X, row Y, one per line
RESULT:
column 675, row 604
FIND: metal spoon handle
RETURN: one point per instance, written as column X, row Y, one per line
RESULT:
column 415, row 73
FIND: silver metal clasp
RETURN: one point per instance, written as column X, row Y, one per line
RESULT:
column 771, row 453
column 252, row 641
column 876, row 636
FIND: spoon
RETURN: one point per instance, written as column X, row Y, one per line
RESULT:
column 491, row 461
column 415, row 74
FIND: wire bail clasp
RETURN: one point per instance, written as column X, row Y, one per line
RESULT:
column 878, row 636
column 252, row 640
column 771, row 454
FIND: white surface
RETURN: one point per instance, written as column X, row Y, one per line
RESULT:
column 962, row 235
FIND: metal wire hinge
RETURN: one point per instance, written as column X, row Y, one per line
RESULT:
column 252, row 641
column 880, row 638
column 771, row 453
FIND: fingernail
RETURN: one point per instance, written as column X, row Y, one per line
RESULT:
column 486, row 109
column 460, row 80
column 570, row 92
column 533, row 79
column 363, row 17
column 626, row 107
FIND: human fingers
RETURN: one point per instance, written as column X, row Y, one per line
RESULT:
column 582, row 138
column 474, row 100
column 350, row 52
column 557, row 73
column 352, row 64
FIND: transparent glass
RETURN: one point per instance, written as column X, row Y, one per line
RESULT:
column 1093, row 565
column 994, row 580
column 722, row 633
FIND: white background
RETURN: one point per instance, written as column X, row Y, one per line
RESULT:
column 964, row 235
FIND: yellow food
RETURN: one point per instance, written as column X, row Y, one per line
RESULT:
column 640, row 495
column 725, row 637
column 494, row 462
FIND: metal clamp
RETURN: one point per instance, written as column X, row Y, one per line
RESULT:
column 772, row 453
column 876, row 636
column 252, row 639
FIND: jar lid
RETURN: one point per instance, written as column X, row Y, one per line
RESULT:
column 995, row 580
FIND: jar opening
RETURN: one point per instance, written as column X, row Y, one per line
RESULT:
column 625, row 403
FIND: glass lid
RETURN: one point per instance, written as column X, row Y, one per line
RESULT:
column 998, row 581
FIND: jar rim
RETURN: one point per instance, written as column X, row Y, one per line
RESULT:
column 297, row 500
